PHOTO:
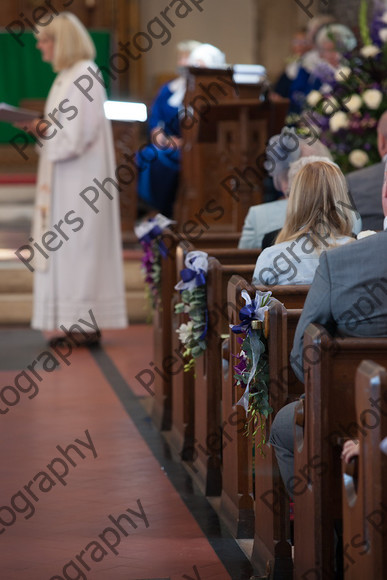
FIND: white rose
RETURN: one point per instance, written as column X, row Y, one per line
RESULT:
column 358, row 158
column 342, row 74
column 369, row 50
column 383, row 34
column 325, row 89
column 353, row 104
column 372, row 98
column 185, row 332
column 313, row 98
column 338, row 121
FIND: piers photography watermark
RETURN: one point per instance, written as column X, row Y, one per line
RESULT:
column 55, row 472
column 27, row 381
column 107, row 543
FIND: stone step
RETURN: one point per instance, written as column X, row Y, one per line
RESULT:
column 17, row 308
column 15, row 194
column 16, row 284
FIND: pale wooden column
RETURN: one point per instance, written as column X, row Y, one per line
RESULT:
column 126, row 23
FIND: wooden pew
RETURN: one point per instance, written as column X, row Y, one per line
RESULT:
column 327, row 415
column 196, row 410
column 272, row 549
column 365, row 495
column 208, row 381
column 163, row 350
column 237, row 505
column 237, row 502
column 225, row 130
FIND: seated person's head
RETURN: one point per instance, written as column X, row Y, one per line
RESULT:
column 315, row 24
column 207, row 56
column 284, row 149
column 318, row 205
column 333, row 41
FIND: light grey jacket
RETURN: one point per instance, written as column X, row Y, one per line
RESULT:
column 365, row 187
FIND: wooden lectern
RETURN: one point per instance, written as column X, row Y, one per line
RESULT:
column 225, row 128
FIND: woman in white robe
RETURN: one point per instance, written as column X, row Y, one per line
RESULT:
column 77, row 222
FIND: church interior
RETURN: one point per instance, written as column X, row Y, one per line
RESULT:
column 146, row 357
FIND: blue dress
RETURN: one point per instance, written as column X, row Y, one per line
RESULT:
column 159, row 167
column 303, row 84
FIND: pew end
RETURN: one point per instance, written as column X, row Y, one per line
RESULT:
column 329, row 418
column 365, row 490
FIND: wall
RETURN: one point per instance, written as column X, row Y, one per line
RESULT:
column 228, row 24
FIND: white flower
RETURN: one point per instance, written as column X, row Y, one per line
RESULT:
column 326, row 89
column 261, row 303
column 358, row 158
column 338, row 121
column 330, row 106
column 383, row 18
column 369, row 51
column 185, row 332
column 372, row 98
column 342, row 74
column 353, row 104
column 383, row 34
column 365, row 234
column 313, row 98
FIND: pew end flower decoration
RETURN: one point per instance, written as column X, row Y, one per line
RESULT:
column 149, row 234
column 192, row 286
column 252, row 368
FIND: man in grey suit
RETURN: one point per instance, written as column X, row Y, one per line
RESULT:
column 348, row 297
column 365, row 185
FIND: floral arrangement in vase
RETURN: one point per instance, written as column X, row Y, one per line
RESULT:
column 346, row 110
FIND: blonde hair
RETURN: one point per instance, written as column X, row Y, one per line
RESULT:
column 318, row 205
column 72, row 42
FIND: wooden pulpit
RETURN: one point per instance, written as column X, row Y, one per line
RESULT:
column 225, row 128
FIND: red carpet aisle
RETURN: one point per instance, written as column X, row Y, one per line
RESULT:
column 103, row 508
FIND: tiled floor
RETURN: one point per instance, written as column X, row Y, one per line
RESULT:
column 115, row 506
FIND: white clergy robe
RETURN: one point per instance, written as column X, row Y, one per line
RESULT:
column 78, row 263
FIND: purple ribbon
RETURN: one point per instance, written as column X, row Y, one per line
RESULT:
column 152, row 235
column 187, row 274
column 246, row 316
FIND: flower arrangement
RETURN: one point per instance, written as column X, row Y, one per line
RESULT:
column 149, row 233
column 192, row 334
column 346, row 109
column 252, row 368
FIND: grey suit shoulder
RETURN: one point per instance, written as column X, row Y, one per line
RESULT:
column 365, row 186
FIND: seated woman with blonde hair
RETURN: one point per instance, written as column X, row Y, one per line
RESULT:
column 319, row 216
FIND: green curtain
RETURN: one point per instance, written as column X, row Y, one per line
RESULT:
column 23, row 74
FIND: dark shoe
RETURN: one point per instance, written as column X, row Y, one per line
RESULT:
column 93, row 339
column 58, row 341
